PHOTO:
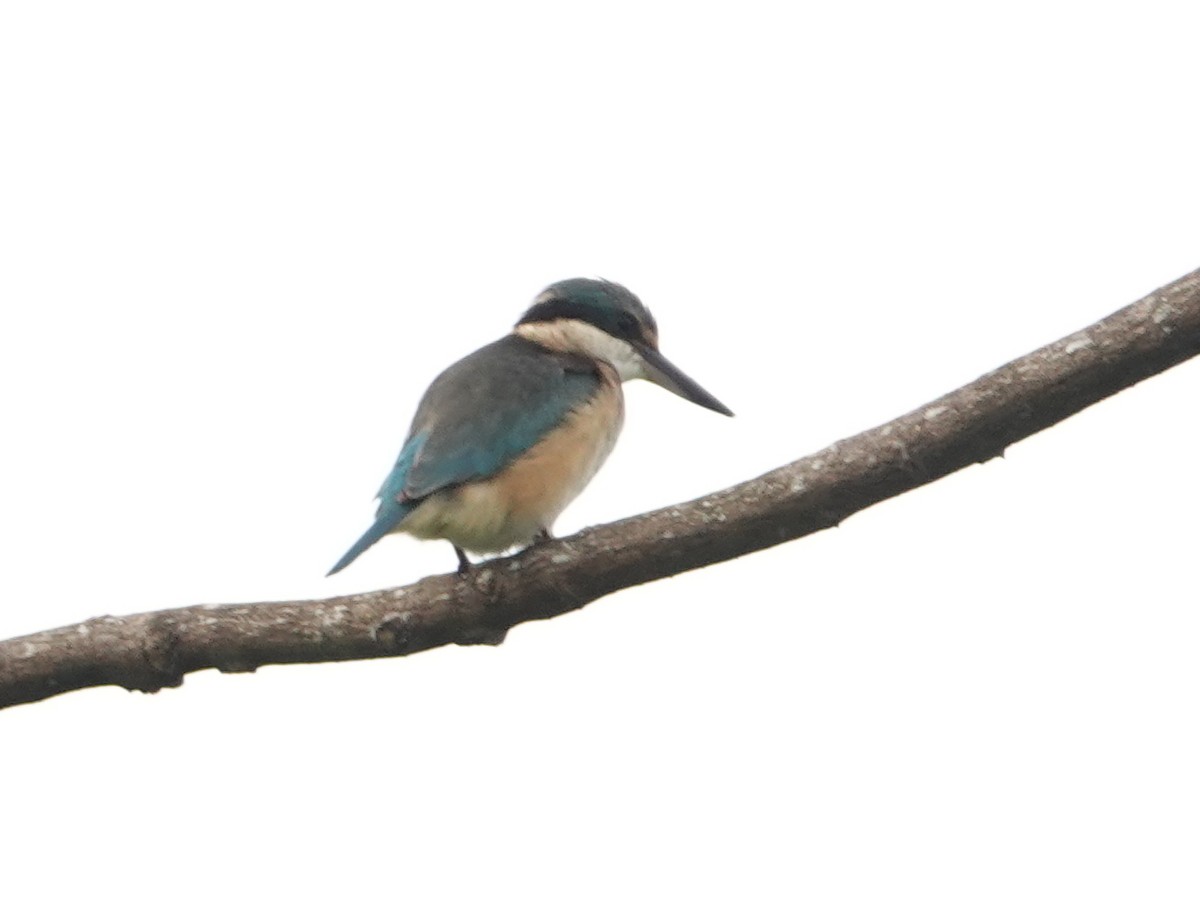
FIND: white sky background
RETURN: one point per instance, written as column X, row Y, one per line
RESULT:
column 239, row 239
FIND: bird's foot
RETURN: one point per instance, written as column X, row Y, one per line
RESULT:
column 464, row 565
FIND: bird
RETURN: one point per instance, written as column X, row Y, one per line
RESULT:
column 504, row 439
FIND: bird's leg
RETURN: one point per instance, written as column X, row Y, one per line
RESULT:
column 464, row 565
column 542, row 535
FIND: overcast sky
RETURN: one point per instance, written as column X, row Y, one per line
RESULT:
column 240, row 238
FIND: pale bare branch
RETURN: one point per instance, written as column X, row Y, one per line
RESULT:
column 149, row 651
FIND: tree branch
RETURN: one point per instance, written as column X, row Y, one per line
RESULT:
column 149, row 651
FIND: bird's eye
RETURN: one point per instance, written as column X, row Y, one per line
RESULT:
column 627, row 326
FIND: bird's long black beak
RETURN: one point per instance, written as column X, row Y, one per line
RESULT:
column 666, row 374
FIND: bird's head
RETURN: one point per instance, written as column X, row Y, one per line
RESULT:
column 606, row 321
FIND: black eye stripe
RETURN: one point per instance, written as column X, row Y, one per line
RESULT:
column 628, row 325
column 621, row 324
column 558, row 309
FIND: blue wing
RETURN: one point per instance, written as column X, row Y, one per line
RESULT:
column 477, row 417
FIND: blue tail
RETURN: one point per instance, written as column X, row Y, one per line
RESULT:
column 390, row 515
column 392, row 511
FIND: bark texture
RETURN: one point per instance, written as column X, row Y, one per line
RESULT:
column 149, row 651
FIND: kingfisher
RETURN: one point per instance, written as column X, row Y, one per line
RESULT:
column 508, row 436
